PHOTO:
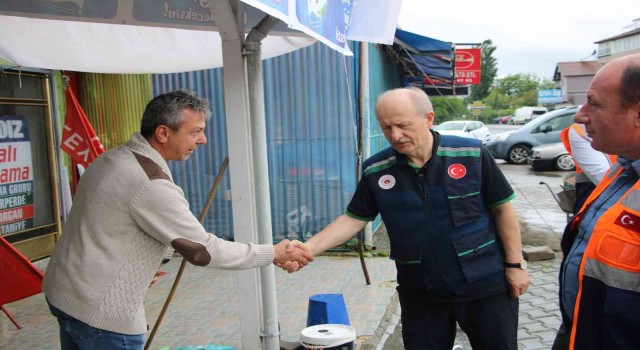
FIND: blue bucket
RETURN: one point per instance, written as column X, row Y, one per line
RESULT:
column 327, row 309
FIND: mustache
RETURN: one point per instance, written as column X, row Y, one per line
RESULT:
column 402, row 140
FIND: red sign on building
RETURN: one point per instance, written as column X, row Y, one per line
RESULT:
column 467, row 70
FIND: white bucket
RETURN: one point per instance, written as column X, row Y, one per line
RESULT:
column 328, row 337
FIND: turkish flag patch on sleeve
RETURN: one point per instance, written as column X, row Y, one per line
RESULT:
column 628, row 221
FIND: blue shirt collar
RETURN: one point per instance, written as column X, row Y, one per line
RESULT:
column 628, row 164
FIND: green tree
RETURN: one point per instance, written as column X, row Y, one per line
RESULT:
column 488, row 72
column 522, row 89
column 497, row 101
column 517, row 84
column 449, row 108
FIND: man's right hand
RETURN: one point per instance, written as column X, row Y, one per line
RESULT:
column 291, row 255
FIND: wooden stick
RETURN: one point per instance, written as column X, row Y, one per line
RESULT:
column 212, row 194
column 15, row 322
column 361, row 255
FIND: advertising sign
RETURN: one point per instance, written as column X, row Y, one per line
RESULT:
column 550, row 96
column 276, row 8
column 467, row 69
column 328, row 20
column 325, row 20
column 16, row 175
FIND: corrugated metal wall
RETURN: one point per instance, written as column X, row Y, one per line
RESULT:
column 309, row 104
column 114, row 104
column 311, row 138
column 384, row 75
column 197, row 175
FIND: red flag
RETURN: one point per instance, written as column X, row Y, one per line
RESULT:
column 79, row 139
column 18, row 277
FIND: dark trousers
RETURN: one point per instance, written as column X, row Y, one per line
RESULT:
column 562, row 338
column 77, row 335
column 490, row 323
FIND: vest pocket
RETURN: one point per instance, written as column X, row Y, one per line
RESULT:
column 464, row 207
column 621, row 250
column 478, row 255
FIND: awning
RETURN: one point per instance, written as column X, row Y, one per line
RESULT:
column 421, row 44
column 428, row 63
column 150, row 36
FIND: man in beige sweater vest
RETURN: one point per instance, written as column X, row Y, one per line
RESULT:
column 126, row 213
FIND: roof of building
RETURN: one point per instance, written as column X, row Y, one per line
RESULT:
column 623, row 35
column 570, row 69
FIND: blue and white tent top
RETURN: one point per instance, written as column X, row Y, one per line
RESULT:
column 425, row 56
column 422, row 44
column 150, row 36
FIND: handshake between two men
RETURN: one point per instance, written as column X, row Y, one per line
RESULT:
column 292, row 256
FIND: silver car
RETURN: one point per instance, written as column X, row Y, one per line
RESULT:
column 514, row 146
column 552, row 156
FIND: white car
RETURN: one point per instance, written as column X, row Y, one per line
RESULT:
column 464, row 128
column 551, row 156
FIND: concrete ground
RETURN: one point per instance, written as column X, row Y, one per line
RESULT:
column 205, row 307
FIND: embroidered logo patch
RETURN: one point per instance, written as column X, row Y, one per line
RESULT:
column 386, row 182
column 629, row 221
column 457, row 171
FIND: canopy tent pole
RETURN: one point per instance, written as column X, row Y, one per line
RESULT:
column 227, row 16
column 271, row 334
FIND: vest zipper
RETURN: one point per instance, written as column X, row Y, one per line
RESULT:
column 425, row 196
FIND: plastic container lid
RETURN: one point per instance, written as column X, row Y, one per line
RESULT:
column 327, row 335
column 205, row 347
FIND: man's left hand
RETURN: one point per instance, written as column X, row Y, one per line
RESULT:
column 518, row 281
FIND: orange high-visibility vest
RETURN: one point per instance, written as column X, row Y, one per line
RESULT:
column 608, row 299
column 564, row 137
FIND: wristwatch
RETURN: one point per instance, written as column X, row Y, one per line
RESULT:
column 522, row 265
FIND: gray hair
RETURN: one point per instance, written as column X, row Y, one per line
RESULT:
column 166, row 109
column 420, row 99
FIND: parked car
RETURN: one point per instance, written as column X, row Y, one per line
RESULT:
column 551, row 156
column 505, row 119
column 514, row 146
column 464, row 128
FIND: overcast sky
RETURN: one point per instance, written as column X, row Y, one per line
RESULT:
column 531, row 37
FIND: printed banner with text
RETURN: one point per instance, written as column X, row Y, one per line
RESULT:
column 16, row 175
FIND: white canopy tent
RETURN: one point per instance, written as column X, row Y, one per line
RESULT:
column 138, row 36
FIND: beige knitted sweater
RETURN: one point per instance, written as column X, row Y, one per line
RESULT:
column 125, row 214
